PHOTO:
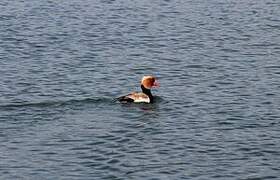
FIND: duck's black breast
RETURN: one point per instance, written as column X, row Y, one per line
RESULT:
column 148, row 93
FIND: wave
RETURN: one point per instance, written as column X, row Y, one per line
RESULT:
column 71, row 102
column 57, row 103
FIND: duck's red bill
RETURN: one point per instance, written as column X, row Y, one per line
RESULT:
column 156, row 84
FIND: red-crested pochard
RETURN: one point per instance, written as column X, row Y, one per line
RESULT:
column 147, row 83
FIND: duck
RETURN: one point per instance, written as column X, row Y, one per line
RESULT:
column 147, row 83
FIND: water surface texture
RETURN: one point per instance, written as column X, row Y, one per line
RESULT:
column 217, row 112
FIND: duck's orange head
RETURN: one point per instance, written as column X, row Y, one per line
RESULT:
column 149, row 82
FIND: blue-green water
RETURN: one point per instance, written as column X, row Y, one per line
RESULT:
column 217, row 112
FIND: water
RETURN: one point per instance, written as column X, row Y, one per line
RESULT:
column 216, row 115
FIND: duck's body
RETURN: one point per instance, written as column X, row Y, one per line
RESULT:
column 136, row 97
column 142, row 97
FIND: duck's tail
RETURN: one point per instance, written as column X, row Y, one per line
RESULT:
column 124, row 99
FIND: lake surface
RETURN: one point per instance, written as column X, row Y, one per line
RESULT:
column 216, row 115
